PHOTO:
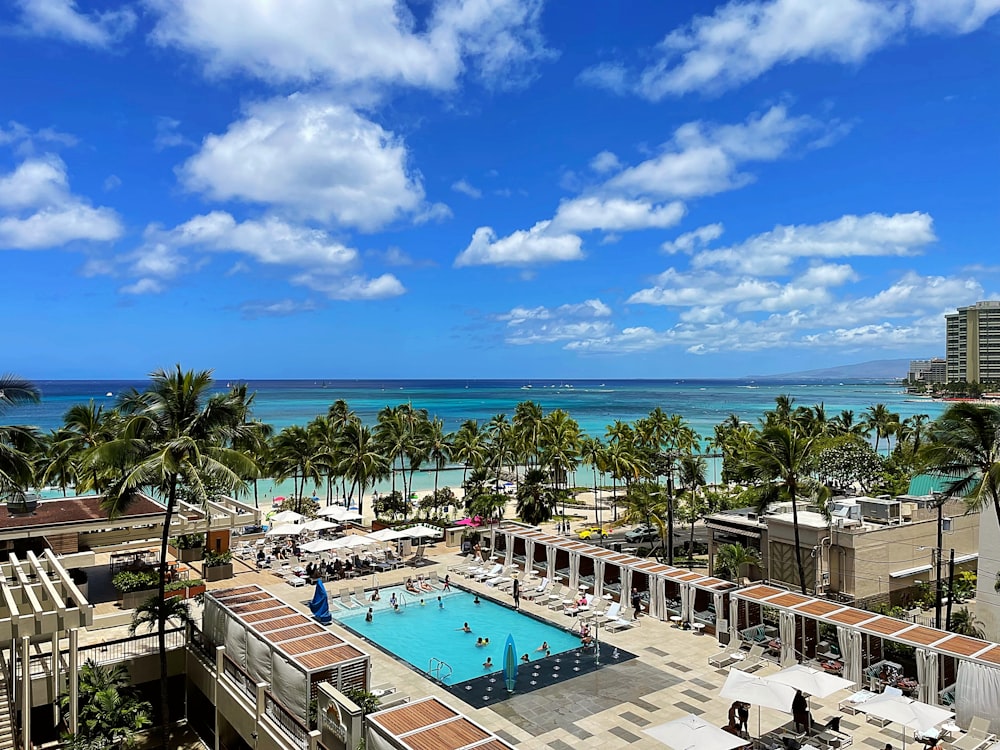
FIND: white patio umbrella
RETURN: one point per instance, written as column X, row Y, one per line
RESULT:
column 422, row 531
column 339, row 513
column 757, row 691
column 287, row 516
column 386, row 535
column 352, row 541
column 902, row 710
column 286, row 529
column 692, row 733
column 319, row 545
column 811, row 681
column 318, row 524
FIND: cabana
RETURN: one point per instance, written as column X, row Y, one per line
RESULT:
column 967, row 667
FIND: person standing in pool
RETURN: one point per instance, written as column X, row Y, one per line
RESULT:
column 517, row 593
column 476, row 600
column 392, row 599
column 440, row 603
column 488, row 664
column 369, row 617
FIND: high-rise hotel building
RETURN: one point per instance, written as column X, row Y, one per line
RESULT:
column 973, row 343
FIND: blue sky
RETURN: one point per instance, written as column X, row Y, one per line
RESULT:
column 492, row 188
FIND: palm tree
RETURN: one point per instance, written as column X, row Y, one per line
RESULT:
column 535, row 499
column 669, row 438
column 468, row 447
column 110, row 711
column 964, row 442
column 528, row 424
column 731, row 558
column 439, row 446
column 148, row 614
column 175, row 434
column 295, row 454
column 691, row 476
column 17, row 444
column 644, row 504
column 964, row 622
column 881, row 421
column 560, row 449
column 592, row 455
column 780, row 460
column 361, row 459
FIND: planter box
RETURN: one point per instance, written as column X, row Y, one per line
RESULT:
column 218, row 572
column 195, row 590
column 186, row 555
column 175, row 593
column 133, row 599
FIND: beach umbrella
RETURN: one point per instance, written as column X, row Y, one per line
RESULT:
column 318, row 524
column 757, row 691
column 811, row 681
column 286, row 529
column 279, row 499
column 287, row 516
column 386, row 535
column 352, row 541
column 319, row 605
column 694, row 733
column 339, row 513
column 902, row 710
column 510, row 664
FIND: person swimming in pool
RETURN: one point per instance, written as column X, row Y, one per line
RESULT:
column 465, row 628
column 369, row 617
column 525, row 658
column 440, row 603
column 488, row 664
column 476, row 600
column 543, row 647
column 421, row 602
column 480, row 642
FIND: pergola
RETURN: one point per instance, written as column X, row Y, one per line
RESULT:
column 671, row 591
column 940, row 655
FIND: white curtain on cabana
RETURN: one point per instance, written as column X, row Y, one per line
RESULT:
column 786, row 631
column 236, row 643
column 685, row 603
column 529, row 556
column 927, row 676
column 258, row 659
column 598, row 578
column 657, row 597
column 720, row 611
column 550, row 559
column 508, row 559
column 977, row 693
column 734, row 620
column 290, row 686
column 692, row 592
column 626, row 582
column 574, row 571
column 849, row 641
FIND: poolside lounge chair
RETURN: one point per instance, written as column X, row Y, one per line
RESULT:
column 418, row 556
column 433, row 579
column 345, row 599
column 613, row 613
column 754, row 660
column 555, row 595
column 295, row 580
column 358, row 592
column 578, row 608
column 732, row 654
column 977, row 738
column 508, row 585
column 491, row 573
column 504, row 577
column 619, row 623
column 541, row 590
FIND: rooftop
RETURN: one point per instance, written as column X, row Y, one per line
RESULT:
column 72, row 510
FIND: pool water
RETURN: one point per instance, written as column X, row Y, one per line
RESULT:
column 418, row 633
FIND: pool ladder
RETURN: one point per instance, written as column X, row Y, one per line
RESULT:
column 436, row 668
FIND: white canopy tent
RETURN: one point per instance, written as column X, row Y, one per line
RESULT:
column 286, row 516
column 286, row 529
column 693, row 733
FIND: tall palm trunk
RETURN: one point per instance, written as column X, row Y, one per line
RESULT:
column 670, row 514
column 161, row 618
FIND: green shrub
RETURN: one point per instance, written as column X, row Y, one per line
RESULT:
column 215, row 559
column 188, row 541
column 181, row 585
column 126, row 581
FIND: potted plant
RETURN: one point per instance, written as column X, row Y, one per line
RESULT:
column 135, row 587
column 187, row 547
column 175, row 588
column 218, row 565
column 195, row 587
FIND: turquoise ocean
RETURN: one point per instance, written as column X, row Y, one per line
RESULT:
column 595, row 404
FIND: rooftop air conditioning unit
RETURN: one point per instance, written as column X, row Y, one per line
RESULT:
column 882, row 511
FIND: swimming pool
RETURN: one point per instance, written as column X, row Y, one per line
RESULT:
column 419, row 633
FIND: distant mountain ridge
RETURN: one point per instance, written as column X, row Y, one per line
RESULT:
column 876, row 369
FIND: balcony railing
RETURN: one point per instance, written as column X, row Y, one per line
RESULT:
column 240, row 676
column 109, row 652
column 291, row 724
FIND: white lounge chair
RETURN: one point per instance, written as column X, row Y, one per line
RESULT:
column 754, row 660
column 578, row 609
column 345, row 599
column 624, row 621
column 491, row 573
column 733, row 653
column 613, row 613
column 542, row 590
column 555, row 595
column 978, row 737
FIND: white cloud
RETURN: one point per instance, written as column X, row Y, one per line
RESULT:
column 112, row 182
column 312, row 158
column 540, row 325
column 694, row 240
column 352, row 287
column 282, row 308
column 168, row 135
column 463, row 186
column 26, row 141
column 60, row 19
column 849, row 236
column 704, row 158
column 142, row 286
column 742, row 40
column 349, row 43
column 605, row 162
column 521, row 248
column 615, row 214
column 43, row 211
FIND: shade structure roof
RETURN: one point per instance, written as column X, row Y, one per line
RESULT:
column 312, row 647
column 637, row 564
column 694, row 733
column 879, row 626
column 428, row 724
column 812, row 681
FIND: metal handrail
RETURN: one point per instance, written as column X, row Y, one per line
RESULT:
column 435, row 667
column 240, row 676
column 291, row 724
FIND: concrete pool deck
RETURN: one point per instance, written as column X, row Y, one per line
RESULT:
column 606, row 708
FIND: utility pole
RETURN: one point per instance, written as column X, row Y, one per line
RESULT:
column 951, row 589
